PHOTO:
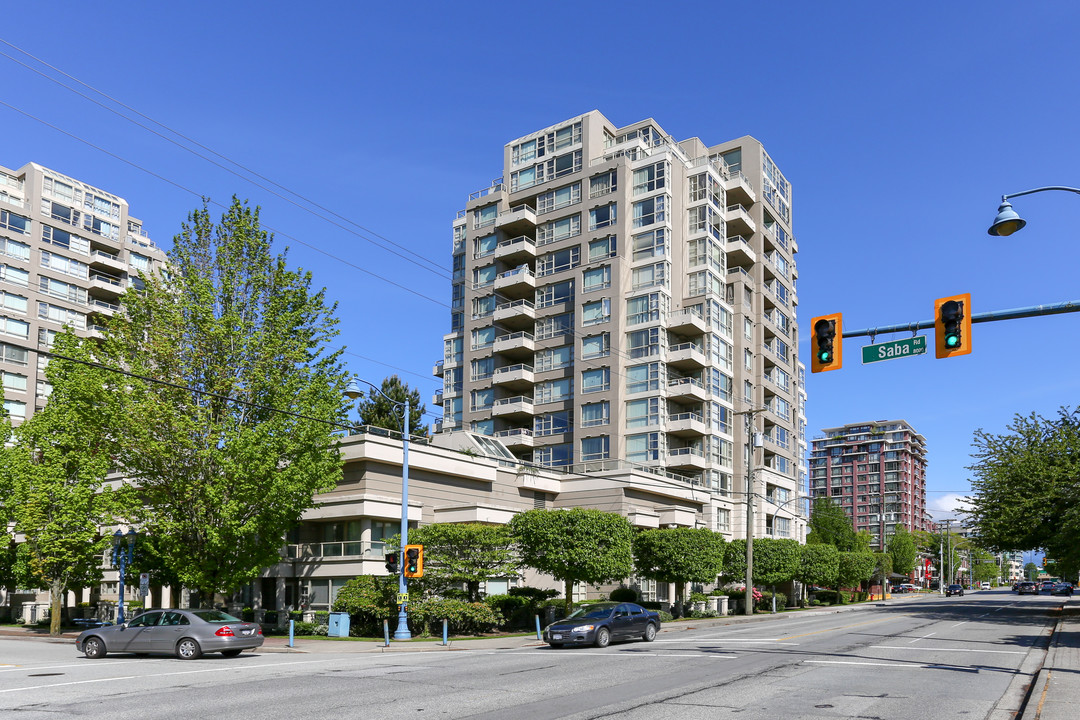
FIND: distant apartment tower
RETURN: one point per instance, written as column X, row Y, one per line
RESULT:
column 67, row 252
column 619, row 299
column 876, row 471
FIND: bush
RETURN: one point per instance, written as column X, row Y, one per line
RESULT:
column 665, row 616
column 368, row 600
column 536, row 595
column 624, row 594
column 697, row 614
column 513, row 611
column 309, row 628
column 765, row 603
column 825, row 597
column 247, row 614
column 698, row 597
column 464, row 618
column 270, row 617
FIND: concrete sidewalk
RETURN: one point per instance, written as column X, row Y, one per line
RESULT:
column 1055, row 691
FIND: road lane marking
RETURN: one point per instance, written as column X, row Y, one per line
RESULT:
column 85, row 664
column 907, row 666
column 167, row 674
column 712, row 641
column 635, row 653
column 921, row 638
column 842, row 627
column 961, row 623
column 901, row 647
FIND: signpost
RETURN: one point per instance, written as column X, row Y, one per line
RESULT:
column 144, row 584
column 894, row 349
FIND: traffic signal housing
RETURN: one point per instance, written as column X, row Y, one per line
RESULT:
column 952, row 325
column 827, row 342
column 414, row 561
column 391, row 563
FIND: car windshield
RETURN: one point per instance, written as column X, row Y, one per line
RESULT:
column 591, row 611
column 214, row 616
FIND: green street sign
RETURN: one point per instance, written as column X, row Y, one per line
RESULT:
column 894, row 349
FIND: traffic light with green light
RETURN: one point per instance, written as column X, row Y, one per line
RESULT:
column 827, row 341
column 952, row 325
column 414, row 561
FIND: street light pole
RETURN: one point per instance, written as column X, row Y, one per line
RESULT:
column 748, row 600
column 353, row 392
column 122, row 554
column 1007, row 221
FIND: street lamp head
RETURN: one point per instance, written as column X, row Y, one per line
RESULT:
column 1007, row 221
column 353, row 391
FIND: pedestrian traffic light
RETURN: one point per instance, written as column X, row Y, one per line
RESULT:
column 414, row 561
column 952, row 325
column 391, row 563
column 827, row 342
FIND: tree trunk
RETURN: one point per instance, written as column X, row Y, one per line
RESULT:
column 569, row 596
column 680, row 600
column 56, row 595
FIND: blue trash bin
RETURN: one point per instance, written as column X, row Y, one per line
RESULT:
column 338, row 625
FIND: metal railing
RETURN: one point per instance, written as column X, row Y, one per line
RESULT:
column 346, row 548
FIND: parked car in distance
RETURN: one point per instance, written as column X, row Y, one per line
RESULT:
column 600, row 623
column 1062, row 588
column 905, row 588
column 954, row 590
column 1027, row 587
column 1047, row 585
column 187, row 634
column 984, row 585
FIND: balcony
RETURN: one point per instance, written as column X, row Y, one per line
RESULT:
column 437, row 398
column 517, row 220
column 687, row 322
column 345, row 549
column 105, row 308
column 514, row 377
column 515, row 344
column 112, row 262
column 739, row 188
column 687, row 424
column 739, row 251
column 513, row 407
column 516, row 250
column 516, row 314
column 686, row 356
column 739, row 221
column 107, row 284
column 518, row 283
column 437, row 369
column 687, row 458
column 687, row 390
column 516, row 438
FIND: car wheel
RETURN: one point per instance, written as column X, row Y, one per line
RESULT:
column 230, row 653
column 603, row 638
column 650, row 633
column 188, row 649
column 94, row 648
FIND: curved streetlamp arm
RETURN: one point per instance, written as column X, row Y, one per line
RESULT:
column 1042, row 189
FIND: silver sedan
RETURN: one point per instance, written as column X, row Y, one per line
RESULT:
column 187, row 634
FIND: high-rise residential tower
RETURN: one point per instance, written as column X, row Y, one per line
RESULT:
column 876, row 471
column 623, row 299
column 67, row 252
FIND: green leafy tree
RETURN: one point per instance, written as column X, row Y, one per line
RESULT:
column 464, row 553
column 855, row 568
column 679, row 555
column 56, row 467
column 903, row 551
column 933, row 544
column 224, row 459
column 776, row 560
column 819, row 565
column 830, row 525
column 575, row 545
column 1027, row 487
column 369, row 599
column 983, row 565
column 1031, row 571
column 376, row 410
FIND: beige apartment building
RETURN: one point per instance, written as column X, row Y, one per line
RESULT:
column 67, row 252
column 624, row 300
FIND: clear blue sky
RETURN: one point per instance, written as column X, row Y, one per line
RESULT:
column 899, row 126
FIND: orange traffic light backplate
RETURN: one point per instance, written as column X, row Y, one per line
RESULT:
column 832, row 330
column 941, row 349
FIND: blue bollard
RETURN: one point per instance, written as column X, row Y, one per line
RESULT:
column 291, row 623
column 539, row 636
column 386, row 632
column 444, row 632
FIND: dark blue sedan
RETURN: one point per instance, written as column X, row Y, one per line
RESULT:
column 602, row 622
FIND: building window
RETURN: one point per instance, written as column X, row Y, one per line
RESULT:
column 483, row 276
column 554, row 358
column 554, row 455
column 649, row 211
column 484, row 427
column 15, row 303
column 13, row 355
column 655, row 275
column 554, row 325
column 644, row 378
column 602, row 248
column 595, row 448
column 645, row 447
column 596, row 380
column 558, row 261
column 14, row 381
column 603, row 216
column 15, row 223
column 650, row 244
column 14, row 275
column 485, row 216
column 558, row 198
column 555, row 294
column 555, row 390
column 650, row 178
column 643, row 343
column 552, row 423
column 483, row 306
column 484, row 246
column 483, row 368
column 595, row 346
column 596, row 312
column 603, row 184
column 597, row 278
column 15, row 409
column 557, row 230
column 15, row 328
column 646, row 308
column 483, row 399
column 593, row 414
column 14, row 249
column 723, row 519
column 483, row 338
column 643, row 413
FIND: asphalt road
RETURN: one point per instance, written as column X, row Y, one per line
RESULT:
column 936, row 657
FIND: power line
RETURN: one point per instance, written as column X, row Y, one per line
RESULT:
column 438, row 270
